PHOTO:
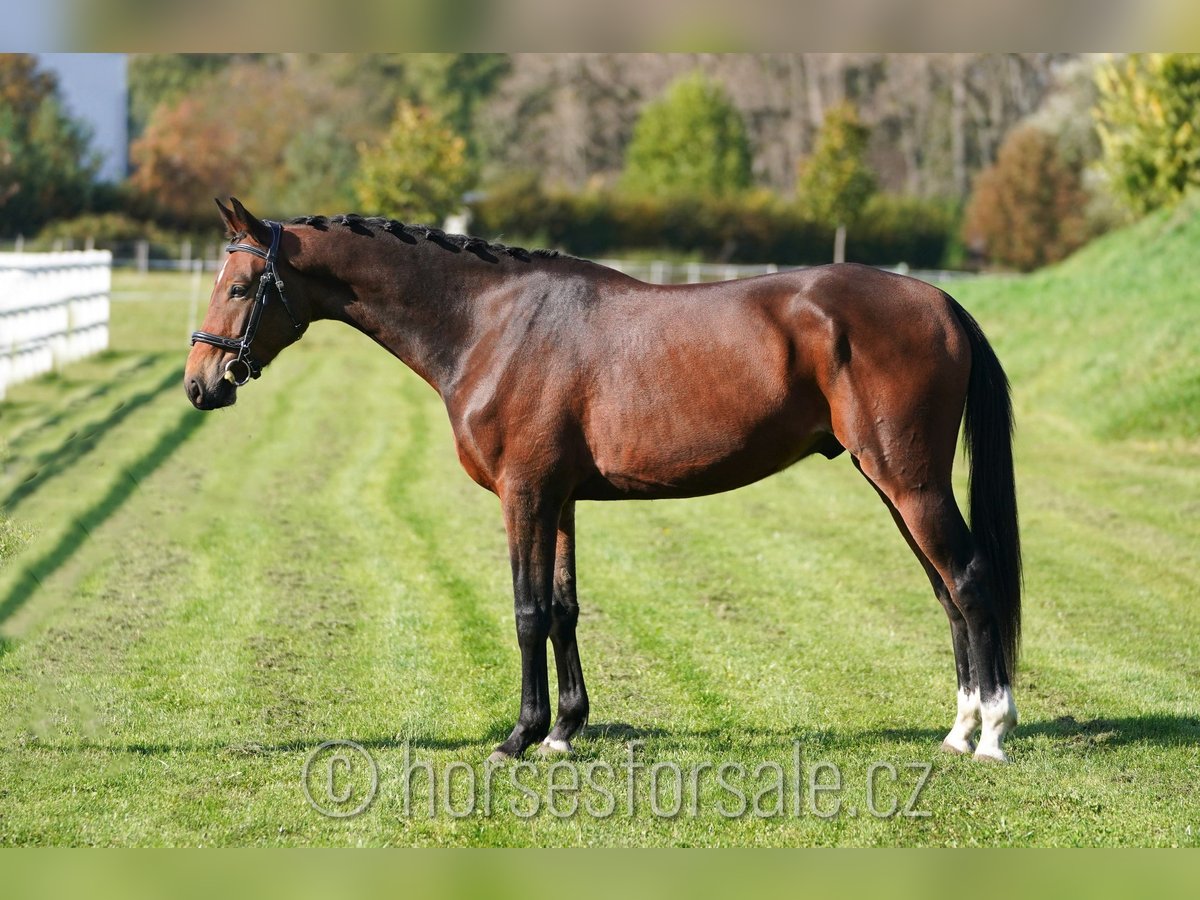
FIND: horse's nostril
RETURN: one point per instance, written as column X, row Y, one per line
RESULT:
column 194, row 391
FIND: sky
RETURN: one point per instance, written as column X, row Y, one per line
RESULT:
column 30, row 26
column 93, row 87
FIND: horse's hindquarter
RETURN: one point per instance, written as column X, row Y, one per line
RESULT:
column 697, row 390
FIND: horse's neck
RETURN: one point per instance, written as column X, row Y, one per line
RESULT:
column 411, row 301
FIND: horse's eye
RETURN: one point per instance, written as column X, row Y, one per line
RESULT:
column 237, row 290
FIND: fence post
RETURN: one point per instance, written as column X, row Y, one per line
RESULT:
column 143, row 256
column 194, row 305
column 185, row 255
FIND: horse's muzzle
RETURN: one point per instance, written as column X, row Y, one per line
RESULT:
column 206, row 398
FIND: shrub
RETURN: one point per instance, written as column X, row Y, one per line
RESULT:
column 893, row 229
column 120, row 233
column 104, row 228
column 1027, row 209
column 12, row 538
column 755, row 227
column 1148, row 118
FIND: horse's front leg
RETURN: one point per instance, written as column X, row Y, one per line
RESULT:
column 564, row 615
column 531, row 519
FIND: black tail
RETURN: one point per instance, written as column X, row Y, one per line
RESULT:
column 987, row 434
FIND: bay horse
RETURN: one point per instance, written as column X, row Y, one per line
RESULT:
column 565, row 380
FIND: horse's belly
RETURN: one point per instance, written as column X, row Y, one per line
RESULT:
column 680, row 461
column 718, row 404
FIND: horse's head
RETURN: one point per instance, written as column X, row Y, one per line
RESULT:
column 250, row 319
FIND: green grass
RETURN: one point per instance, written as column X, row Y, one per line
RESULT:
column 202, row 599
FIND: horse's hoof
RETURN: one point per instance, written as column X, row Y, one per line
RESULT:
column 964, row 749
column 498, row 756
column 993, row 755
column 554, row 747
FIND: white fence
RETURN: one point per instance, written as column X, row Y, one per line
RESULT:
column 53, row 310
column 666, row 272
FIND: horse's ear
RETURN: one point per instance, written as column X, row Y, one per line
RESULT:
column 248, row 223
column 228, row 217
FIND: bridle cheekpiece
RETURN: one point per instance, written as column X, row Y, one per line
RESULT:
column 243, row 367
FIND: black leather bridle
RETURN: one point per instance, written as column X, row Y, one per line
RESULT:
column 244, row 367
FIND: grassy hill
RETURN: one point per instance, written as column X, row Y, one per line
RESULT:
column 202, row 599
column 1109, row 338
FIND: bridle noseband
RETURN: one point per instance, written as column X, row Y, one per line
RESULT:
column 243, row 367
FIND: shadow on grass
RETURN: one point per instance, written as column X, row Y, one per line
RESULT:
column 1155, row 729
column 95, row 392
column 1159, row 730
column 125, row 483
column 52, row 463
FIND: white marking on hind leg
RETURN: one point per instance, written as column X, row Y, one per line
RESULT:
column 961, row 736
column 999, row 717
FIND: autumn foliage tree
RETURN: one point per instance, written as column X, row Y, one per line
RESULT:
column 418, row 171
column 1027, row 210
column 182, row 160
column 275, row 138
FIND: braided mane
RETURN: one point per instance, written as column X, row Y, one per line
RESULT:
column 456, row 243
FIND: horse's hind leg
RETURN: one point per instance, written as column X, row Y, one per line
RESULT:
column 564, row 615
column 933, row 518
column 961, row 738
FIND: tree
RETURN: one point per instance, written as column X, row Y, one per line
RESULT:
column 23, row 87
column 1028, row 209
column 158, row 78
column 835, row 182
column 183, row 159
column 454, row 85
column 47, row 168
column 274, row 137
column 570, row 116
column 693, row 140
column 1148, row 118
column 418, row 171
